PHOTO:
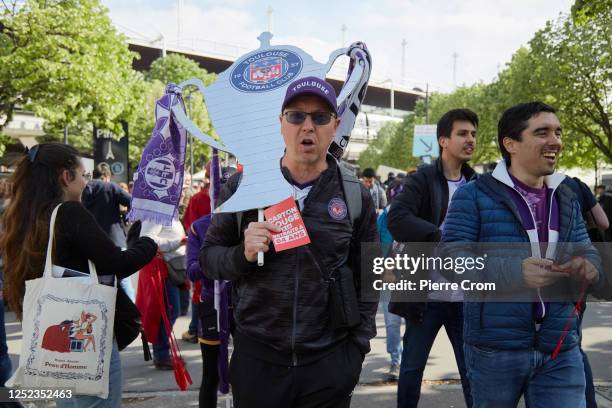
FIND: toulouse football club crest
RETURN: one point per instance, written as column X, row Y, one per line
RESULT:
column 337, row 208
column 160, row 175
column 265, row 71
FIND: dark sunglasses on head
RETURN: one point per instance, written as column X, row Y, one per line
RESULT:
column 318, row 118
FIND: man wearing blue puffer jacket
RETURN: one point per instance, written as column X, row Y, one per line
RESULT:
column 509, row 347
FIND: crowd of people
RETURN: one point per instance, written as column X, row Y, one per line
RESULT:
column 299, row 324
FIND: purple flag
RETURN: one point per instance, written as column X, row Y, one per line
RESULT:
column 158, row 184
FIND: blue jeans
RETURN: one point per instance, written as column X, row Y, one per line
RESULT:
column 161, row 349
column 418, row 339
column 114, row 389
column 393, row 325
column 5, row 361
column 499, row 377
column 591, row 401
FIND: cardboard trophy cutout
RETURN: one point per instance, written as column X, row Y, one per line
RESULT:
column 244, row 105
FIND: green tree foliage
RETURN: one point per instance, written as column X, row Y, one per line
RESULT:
column 64, row 61
column 173, row 68
column 176, row 68
column 5, row 140
column 568, row 64
column 576, row 75
column 482, row 99
column 392, row 147
column 589, row 8
column 524, row 80
column 370, row 157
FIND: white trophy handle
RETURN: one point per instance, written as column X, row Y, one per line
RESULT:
column 191, row 127
column 351, row 95
column 358, row 75
column 195, row 82
column 333, row 56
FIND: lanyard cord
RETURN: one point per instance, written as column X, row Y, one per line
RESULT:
column 577, row 305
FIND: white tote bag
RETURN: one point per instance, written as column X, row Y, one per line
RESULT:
column 67, row 331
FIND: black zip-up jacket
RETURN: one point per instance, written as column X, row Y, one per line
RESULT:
column 281, row 309
column 416, row 214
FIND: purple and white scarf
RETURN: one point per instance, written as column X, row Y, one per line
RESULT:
column 158, row 183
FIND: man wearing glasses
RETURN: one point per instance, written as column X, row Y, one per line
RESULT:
column 287, row 351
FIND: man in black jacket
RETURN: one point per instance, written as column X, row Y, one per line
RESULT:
column 102, row 198
column 417, row 215
column 287, row 352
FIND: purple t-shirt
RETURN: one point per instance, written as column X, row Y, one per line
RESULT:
column 538, row 205
column 537, row 201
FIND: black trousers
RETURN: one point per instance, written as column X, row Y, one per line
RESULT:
column 326, row 383
column 210, row 377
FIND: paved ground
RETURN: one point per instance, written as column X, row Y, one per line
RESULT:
column 146, row 387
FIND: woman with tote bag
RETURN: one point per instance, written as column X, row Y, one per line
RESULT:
column 51, row 174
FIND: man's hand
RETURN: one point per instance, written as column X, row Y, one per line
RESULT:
column 257, row 237
column 537, row 273
column 579, row 268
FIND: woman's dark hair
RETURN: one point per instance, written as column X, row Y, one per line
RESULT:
column 36, row 191
column 515, row 119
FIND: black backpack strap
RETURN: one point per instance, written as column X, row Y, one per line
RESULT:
column 239, row 222
column 352, row 193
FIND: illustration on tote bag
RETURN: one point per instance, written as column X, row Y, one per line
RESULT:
column 71, row 335
column 72, row 348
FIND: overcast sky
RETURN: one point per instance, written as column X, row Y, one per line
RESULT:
column 483, row 33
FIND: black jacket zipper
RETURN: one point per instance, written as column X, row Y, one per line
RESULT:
column 295, row 302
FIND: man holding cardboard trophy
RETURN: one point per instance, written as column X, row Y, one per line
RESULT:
column 301, row 331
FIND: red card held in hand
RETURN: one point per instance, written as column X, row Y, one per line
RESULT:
column 287, row 216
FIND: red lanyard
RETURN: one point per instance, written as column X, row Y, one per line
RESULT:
column 577, row 305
